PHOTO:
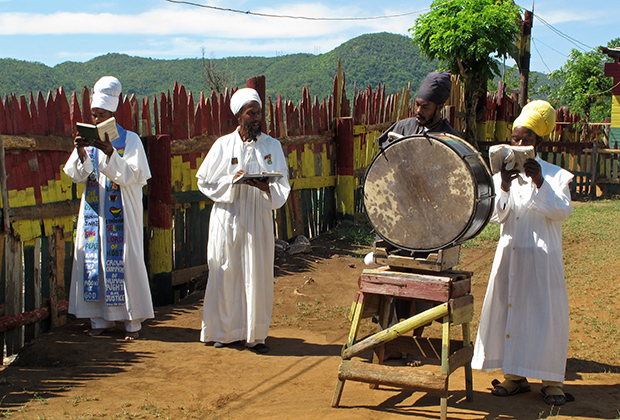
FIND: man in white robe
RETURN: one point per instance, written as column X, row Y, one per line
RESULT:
column 240, row 250
column 524, row 323
column 125, row 164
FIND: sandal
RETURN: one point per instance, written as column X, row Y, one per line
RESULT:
column 509, row 387
column 554, row 395
column 94, row 332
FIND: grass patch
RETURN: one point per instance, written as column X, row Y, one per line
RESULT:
column 358, row 232
column 488, row 237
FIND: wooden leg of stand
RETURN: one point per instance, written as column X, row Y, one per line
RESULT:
column 337, row 393
column 358, row 309
column 445, row 367
column 469, row 378
column 384, row 320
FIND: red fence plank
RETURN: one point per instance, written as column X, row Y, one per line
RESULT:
column 86, row 112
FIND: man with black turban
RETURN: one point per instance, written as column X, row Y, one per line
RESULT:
column 432, row 95
column 434, row 91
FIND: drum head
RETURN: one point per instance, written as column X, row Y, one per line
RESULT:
column 419, row 194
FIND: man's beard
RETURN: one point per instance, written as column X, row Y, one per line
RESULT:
column 253, row 130
column 430, row 121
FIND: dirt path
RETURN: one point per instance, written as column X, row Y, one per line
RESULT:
column 169, row 374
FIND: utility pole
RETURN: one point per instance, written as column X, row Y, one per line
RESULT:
column 524, row 55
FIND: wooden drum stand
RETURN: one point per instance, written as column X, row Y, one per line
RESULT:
column 425, row 279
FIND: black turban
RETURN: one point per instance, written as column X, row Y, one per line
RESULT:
column 435, row 87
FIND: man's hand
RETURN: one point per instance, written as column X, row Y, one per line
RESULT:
column 533, row 170
column 239, row 174
column 262, row 185
column 507, row 177
column 104, row 145
column 80, row 143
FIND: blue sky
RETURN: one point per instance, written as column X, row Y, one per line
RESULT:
column 55, row 31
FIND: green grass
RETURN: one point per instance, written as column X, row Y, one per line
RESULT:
column 359, row 232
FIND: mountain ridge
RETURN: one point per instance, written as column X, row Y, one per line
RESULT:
column 368, row 60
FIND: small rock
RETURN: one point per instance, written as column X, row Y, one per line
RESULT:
column 301, row 245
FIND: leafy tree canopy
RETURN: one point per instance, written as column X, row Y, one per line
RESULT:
column 581, row 85
column 467, row 36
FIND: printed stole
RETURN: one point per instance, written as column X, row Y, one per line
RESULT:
column 114, row 270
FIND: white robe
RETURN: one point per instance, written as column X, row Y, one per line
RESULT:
column 130, row 172
column 240, row 250
column 524, row 322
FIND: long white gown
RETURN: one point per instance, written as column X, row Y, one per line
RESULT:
column 130, row 172
column 524, row 323
column 239, row 295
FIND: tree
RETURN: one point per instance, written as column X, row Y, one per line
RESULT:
column 581, row 85
column 467, row 36
column 215, row 79
column 512, row 81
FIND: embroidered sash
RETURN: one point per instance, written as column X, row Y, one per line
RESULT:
column 114, row 270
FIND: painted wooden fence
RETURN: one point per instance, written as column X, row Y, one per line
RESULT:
column 329, row 144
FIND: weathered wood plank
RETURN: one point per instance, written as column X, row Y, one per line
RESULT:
column 400, row 377
column 14, row 291
column 37, row 142
column 186, row 275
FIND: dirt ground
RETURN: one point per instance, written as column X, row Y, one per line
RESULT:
column 169, row 374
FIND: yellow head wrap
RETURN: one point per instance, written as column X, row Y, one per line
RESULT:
column 538, row 116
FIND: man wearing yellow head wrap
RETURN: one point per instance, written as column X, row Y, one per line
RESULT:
column 524, row 321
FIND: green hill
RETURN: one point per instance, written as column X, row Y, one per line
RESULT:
column 366, row 60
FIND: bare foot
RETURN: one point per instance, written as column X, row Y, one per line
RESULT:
column 132, row 335
column 413, row 362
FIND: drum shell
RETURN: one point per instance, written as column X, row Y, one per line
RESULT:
column 428, row 192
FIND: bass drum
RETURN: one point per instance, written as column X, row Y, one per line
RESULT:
column 428, row 192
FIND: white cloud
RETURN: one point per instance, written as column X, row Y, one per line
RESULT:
column 196, row 21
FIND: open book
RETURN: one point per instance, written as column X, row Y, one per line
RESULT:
column 513, row 156
column 263, row 176
column 91, row 132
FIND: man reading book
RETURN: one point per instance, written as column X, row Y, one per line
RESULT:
column 109, row 281
column 240, row 251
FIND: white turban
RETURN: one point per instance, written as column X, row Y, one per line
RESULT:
column 106, row 93
column 243, row 97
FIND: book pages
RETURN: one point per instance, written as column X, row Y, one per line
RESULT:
column 513, row 157
column 261, row 176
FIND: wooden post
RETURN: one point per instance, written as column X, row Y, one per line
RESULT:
column 345, row 180
column 5, row 193
column 445, row 365
column 160, row 219
column 524, row 56
column 53, row 278
column 37, row 281
column 14, row 288
column 258, row 83
column 593, row 180
column 469, row 377
column 30, row 274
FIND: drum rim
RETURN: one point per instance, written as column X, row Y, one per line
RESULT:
column 455, row 241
